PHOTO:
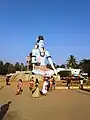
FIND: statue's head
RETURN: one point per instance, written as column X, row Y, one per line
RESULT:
column 40, row 41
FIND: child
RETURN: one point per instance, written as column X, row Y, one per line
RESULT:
column 8, row 80
column 31, row 84
column 51, row 83
column 44, row 89
column 81, row 83
column 68, row 82
column 19, row 87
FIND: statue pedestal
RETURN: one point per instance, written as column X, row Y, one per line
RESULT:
column 42, row 70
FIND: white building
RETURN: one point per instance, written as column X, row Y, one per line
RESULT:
column 74, row 72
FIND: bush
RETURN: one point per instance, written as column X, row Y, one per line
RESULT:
column 64, row 73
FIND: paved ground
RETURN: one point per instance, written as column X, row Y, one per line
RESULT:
column 57, row 105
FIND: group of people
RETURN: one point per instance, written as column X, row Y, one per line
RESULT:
column 81, row 82
column 34, row 86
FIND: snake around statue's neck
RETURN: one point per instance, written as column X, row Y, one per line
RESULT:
column 42, row 52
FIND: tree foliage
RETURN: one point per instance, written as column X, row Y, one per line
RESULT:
column 62, row 66
column 72, row 62
column 1, row 67
column 85, row 65
column 6, row 68
column 64, row 73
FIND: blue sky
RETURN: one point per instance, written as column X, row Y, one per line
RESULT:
column 65, row 24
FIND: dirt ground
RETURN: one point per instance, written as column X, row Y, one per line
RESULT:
column 57, row 105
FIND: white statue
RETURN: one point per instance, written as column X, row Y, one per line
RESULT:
column 39, row 56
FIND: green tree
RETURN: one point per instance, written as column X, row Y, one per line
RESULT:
column 11, row 69
column 25, row 67
column 1, row 68
column 85, row 65
column 72, row 62
column 17, row 66
column 22, row 67
column 6, row 66
column 64, row 73
column 62, row 66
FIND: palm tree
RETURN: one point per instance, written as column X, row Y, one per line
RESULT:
column 72, row 62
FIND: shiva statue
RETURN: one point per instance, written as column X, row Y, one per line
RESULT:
column 39, row 56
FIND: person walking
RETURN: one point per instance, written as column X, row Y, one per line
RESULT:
column 44, row 88
column 19, row 87
column 31, row 83
column 35, row 90
column 81, row 82
column 68, row 82
column 53, row 83
column 8, row 80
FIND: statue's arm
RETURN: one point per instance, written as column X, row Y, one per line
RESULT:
column 50, row 61
column 33, row 56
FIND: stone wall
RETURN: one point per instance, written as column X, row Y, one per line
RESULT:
column 27, row 76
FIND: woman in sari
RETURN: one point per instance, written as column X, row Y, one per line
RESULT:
column 35, row 90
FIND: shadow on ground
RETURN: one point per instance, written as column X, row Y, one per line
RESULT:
column 4, row 109
column 1, row 87
column 84, row 91
column 13, row 115
column 87, row 90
